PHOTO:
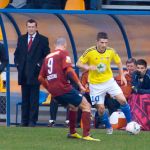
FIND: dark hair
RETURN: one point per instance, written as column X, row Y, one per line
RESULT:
column 141, row 62
column 102, row 35
column 31, row 21
column 131, row 60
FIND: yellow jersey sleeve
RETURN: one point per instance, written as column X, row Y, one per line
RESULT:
column 86, row 55
column 116, row 57
column 83, row 59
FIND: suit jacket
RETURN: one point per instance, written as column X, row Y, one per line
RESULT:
column 29, row 62
column 3, row 58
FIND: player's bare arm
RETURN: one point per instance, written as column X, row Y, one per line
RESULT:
column 123, row 79
column 86, row 66
column 43, row 82
column 71, row 74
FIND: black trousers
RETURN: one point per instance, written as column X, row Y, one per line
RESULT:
column 30, row 103
column 54, row 110
column 87, row 4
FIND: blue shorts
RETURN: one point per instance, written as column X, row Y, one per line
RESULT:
column 73, row 97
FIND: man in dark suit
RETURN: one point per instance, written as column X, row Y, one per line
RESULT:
column 28, row 57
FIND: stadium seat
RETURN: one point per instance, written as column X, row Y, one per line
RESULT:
column 44, row 100
column 75, row 5
column 4, row 3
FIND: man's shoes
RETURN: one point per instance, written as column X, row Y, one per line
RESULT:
column 51, row 123
column 32, row 124
column 88, row 138
column 109, row 131
column 75, row 135
column 23, row 125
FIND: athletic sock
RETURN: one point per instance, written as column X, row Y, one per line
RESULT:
column 72, row 121
column 86, row 120
column 126, row 110
column 105, row 120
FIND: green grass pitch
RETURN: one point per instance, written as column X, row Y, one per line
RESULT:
column 43, row 138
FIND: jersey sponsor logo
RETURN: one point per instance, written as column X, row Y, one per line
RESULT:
column 101, row 67
column 52, row 76
column 68, row 59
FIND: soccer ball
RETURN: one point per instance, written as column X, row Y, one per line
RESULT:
column 133, row 127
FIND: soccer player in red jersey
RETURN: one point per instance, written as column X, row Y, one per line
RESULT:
column 54, row 75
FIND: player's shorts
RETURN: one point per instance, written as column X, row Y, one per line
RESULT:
column 73, row 97
column 98, row 91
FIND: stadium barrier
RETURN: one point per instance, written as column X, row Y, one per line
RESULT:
column 140, row 109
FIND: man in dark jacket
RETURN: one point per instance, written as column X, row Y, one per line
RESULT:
column 3, row 64
column 3, row 58
column 28, row 57
column 141, row 78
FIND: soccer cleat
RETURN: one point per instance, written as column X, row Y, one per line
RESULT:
column 75, row 135
column 88, row 138
column 109, row 131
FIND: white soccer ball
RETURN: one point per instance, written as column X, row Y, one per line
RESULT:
column 133, row 127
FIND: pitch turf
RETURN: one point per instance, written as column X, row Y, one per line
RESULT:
column 43, row 138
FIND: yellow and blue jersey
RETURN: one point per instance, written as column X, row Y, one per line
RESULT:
column 103, row 62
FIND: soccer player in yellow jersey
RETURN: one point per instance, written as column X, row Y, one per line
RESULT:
column 97, row 60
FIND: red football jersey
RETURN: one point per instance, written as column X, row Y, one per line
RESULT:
column 53, row 70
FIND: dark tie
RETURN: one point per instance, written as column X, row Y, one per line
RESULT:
column 30, row 43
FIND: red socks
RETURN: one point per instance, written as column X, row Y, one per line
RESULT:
column 86, row 120
column 72, row 121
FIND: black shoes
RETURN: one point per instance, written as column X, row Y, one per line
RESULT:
column 32, row 124
column 23, row 125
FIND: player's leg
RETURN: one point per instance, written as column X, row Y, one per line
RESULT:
column 97, row 94
column 124, row 106
column 86, row 113
column 104, row 117
column 86, row 119
column 75, row 99
column 115, row 91
column 72, row 120
column 53, row 113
